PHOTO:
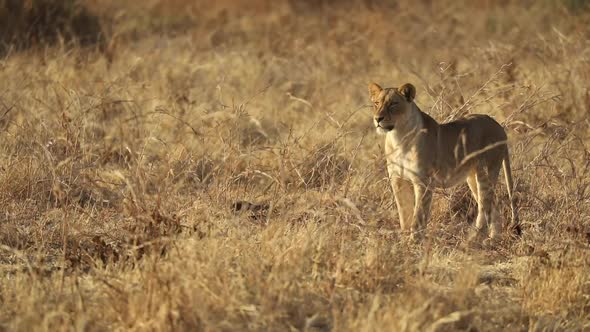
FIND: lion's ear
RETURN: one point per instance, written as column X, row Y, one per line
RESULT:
column 409, row 91
column 374, row 91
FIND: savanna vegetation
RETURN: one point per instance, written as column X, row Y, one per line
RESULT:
column 131, row 131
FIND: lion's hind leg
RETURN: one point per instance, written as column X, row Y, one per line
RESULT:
column 486, row 178
column 472, row 183
column 474, row 188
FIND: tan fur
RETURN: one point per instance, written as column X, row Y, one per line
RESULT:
column 423, row 154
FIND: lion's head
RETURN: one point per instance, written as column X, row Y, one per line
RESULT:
column 391, row 106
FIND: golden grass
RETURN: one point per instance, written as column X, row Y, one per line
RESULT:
column 119, row 169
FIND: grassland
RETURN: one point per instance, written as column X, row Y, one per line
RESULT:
column 121, row 157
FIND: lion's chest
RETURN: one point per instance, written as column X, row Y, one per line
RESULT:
column 403, row 159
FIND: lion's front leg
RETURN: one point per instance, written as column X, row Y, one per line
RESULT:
column 423, row 198
column 404, row 199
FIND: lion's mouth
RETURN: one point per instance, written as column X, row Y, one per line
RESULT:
column 386, row 128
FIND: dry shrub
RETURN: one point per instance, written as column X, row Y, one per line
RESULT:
column 46, row 22
column 323, row 167
column 84, row 252
column 461, row 205
column 203, row 170
column 554, row 284
column 151, row 227
column 236, row 126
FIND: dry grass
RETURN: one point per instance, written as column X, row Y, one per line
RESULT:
column 119, row 169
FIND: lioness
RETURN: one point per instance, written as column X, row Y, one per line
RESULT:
column 423, row 154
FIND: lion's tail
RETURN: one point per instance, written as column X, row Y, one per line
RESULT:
column 510, row 188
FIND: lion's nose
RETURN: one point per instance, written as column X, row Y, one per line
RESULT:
column 379, row 119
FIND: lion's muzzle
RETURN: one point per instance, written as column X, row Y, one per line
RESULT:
column 382, row 127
